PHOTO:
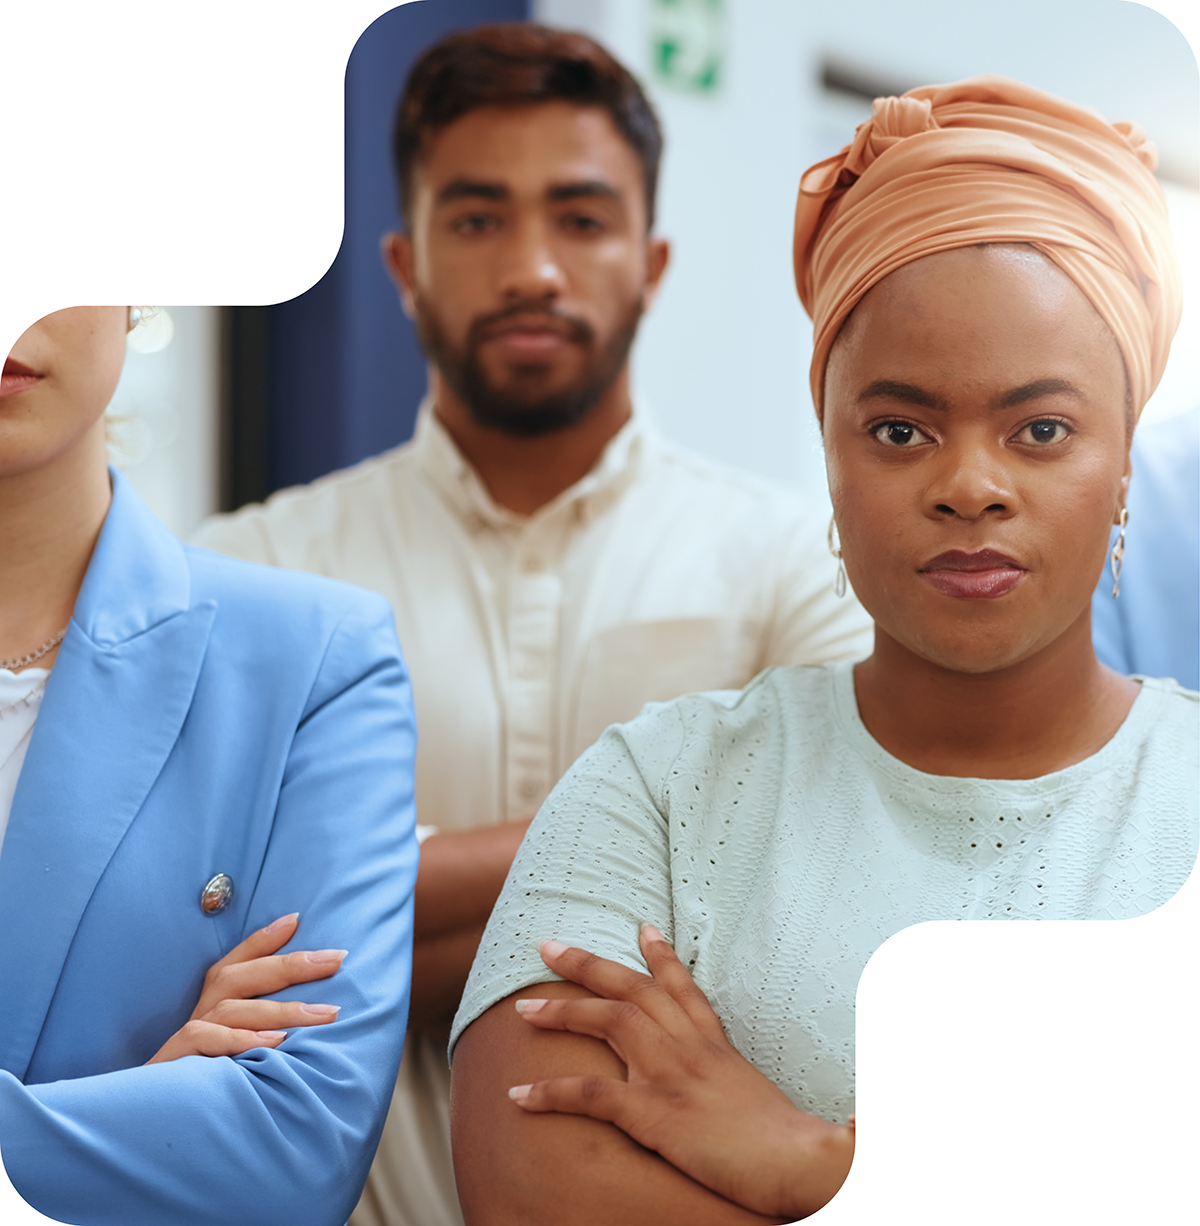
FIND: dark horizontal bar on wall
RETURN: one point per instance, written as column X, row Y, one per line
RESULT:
column 841, row 77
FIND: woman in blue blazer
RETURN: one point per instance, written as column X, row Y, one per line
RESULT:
column 202, row 719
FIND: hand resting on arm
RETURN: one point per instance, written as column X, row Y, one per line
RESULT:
column 228, row 1020
column 638, row 1110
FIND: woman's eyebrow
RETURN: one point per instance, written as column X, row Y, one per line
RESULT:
column 909, row 393
column 890, row 389
column 1036, row 389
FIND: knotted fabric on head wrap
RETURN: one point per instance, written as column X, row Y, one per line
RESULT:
column 989, row 160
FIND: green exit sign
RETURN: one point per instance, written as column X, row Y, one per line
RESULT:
column 687, row 40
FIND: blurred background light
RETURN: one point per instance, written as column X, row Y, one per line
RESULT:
column 154, row 332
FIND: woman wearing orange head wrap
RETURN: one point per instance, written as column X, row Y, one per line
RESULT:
column 994, row 292
column 988, row 160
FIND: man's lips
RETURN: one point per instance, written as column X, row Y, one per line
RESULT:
column 983, row 575
column 532, row 333
column 17, row 377
column 529, row 339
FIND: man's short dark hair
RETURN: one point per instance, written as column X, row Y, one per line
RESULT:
column 512, row 65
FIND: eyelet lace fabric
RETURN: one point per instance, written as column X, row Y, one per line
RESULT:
column 777, row 845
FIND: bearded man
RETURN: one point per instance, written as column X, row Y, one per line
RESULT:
column 553, row 563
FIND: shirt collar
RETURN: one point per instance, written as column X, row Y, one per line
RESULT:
column 466, row 493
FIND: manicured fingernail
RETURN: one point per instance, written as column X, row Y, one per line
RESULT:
column 551, row 949
column 651, row 933
column 321, row 1010
column 323, row 956
column 282, row 922
column 529, row 1006
column 271, row 1036
column 517, row 1093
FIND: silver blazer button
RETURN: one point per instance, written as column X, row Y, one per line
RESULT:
column 217, row 895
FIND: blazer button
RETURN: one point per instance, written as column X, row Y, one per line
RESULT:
column 217, row 895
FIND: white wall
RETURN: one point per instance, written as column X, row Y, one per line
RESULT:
column 723, row 359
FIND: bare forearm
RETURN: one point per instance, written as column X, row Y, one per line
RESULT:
column 458, row 882
column 460, row 876
column 440, row 969
column 514, row 1168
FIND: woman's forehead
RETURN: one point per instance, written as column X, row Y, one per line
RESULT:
column 983, row 314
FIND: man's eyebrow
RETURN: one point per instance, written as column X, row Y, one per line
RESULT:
column 1037, row 389
column 583, row 189
column 890, row 389
column 472, row 189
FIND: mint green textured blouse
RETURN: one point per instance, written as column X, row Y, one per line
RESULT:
column 776, row 844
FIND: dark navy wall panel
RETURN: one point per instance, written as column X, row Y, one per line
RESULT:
column 345, row 372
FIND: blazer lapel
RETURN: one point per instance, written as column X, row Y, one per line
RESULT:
column 113, row 709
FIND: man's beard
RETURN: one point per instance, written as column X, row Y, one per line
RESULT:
column 508, row 409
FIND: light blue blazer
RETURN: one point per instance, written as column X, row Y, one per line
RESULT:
column 1153, row 627
column 204, row 716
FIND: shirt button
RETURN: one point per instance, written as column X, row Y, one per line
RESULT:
column 528, row 789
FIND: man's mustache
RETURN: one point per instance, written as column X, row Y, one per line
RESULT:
column 533, row 310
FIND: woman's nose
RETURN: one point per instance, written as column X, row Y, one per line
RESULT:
column 970, row 481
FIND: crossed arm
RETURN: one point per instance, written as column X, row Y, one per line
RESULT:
column 283, row 1130
column 636, row 1110
column 458, row 882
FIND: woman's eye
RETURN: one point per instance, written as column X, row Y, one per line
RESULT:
column 899, row 434
column 1042, row 432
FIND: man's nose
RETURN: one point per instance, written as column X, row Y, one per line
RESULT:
column 531, row 268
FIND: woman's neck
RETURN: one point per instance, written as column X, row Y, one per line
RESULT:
column 50, row 518
column 1041, row 715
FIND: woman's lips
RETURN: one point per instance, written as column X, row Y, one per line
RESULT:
column 983, row 575
column 17, row 377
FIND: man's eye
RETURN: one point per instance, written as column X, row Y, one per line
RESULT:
column 899, row 434
column 1042, row 432
column 583, row 224
column 473, row 223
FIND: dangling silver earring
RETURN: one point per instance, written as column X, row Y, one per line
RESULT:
column 835, row 548
column 1117, row 557
column 135, row 317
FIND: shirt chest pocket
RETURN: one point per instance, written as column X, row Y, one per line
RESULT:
column 627, row 666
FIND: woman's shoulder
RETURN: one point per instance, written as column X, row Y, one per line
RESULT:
column 780, row 712
column 286, row 617
column 1177, row 699
column 254, row 589
column 1169, row 716
column 805, row 692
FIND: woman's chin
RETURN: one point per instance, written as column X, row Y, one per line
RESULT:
column 978, row 650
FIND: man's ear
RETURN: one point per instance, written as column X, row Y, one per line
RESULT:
column 658, row 256
column 396, row 249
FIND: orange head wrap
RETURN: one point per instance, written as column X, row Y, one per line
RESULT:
column 989, row 160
